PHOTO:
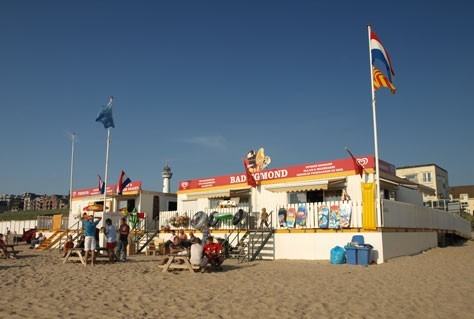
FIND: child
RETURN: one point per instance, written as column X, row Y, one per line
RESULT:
column 241, row 247
column 264, row 218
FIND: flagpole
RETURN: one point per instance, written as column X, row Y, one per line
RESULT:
column 377, row 169
column 106, row 169
column 70, row 177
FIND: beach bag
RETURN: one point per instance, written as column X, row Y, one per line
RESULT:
column 338, row 255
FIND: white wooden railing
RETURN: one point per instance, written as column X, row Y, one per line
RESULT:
column 395, row 215
column 405, row 215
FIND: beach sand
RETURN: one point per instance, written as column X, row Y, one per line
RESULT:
column 438, row 283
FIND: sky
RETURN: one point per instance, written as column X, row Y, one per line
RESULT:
column 197, row 84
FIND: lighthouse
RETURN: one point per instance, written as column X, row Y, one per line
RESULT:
column 166, row 174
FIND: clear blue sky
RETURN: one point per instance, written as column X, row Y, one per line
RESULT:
column 199, row 83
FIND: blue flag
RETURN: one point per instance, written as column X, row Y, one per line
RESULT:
column 105, row 115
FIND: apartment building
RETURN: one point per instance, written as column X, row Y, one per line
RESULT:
column 31, row 201
column 430, row 175
column 465, row 196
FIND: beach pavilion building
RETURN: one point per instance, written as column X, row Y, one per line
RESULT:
column 317, row 206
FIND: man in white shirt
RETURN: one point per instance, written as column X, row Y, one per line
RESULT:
column 197, row 255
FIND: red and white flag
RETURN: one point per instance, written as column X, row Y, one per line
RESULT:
column 359, row 169
column 250, row 179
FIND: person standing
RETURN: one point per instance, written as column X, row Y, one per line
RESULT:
column 124, row 230
column 205, row 232
column 89, row 226
column 8, row 237
column 111, row 234
column 16, row 238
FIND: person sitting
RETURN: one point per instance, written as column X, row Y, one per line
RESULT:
column 67, row 245
column 176, row 248
column 214, row 253
column 37, row 241
column 184, row 239
column 191, row 237
column 81, row 244
column 197, row 255
column 4, row 248
column 169, row 242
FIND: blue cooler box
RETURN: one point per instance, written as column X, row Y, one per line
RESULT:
column 364, row 255
column 351, row 255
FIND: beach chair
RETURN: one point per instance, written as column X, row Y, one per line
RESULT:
column 151, row 250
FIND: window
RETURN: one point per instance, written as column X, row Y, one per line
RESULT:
column 412, row 178
column 463, row 196
column 426, row 177
column 156, row 207
column 306, row 197
column 214, row 202
column 242, row 201
column 296, row 198
column 333, row 195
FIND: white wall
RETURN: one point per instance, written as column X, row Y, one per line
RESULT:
column 317, row 246
column 407, row 195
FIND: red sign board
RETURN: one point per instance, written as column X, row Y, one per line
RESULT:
column 111, row 189
column 280, row 174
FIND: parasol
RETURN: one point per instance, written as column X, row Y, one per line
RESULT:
column 94, row 208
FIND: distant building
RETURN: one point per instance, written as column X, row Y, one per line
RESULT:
column 31, row 201
column 465, row 196
column 430, row 175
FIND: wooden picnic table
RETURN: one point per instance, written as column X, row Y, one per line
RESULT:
column 74, row 254
column 174, row 263
column 11, row 250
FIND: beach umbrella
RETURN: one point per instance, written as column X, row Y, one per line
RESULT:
column 94, row 208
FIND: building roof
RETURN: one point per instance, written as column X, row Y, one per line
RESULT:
column 422, row 165
column 455, row 191
column 407, row 183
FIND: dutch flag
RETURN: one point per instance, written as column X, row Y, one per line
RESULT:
column 122, row 183
column 379, row 53
column 101, row 185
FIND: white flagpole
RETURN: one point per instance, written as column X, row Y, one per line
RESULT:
column 106, row 169
column 377, row 169
column 70, row 178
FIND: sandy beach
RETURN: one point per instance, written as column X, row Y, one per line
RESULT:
column 438, row 283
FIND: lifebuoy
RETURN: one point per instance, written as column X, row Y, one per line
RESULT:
column 238, row 217
column 212, row 219
column 198, row 220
